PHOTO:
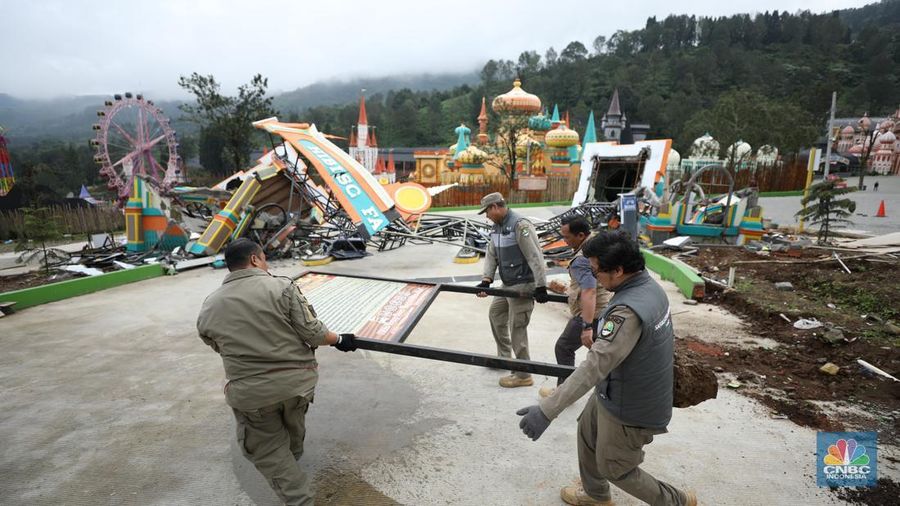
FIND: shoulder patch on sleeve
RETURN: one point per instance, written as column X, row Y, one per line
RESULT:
column 610, row 327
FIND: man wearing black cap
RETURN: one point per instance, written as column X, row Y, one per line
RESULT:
column 514, row 250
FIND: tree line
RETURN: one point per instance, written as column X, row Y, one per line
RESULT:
column 683, row 75
column 765, row 79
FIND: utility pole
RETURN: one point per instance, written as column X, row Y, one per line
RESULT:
column 828, row 134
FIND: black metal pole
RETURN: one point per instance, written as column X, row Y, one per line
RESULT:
column 459, row 357
column 497, row 292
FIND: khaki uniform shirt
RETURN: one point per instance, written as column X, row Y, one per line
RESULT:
column 609, row 350
column 529, row 244
column 266, row 333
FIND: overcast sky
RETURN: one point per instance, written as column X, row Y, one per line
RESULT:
column 66, row 47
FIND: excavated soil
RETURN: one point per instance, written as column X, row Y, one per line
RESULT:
column 787, row 378
column 694, row 382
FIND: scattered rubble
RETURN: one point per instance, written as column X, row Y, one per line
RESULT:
column 830, row 368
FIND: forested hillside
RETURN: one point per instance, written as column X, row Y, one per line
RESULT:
column 768, row 76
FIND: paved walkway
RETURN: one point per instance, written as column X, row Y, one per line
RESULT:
column 781, row 209
column 110, row 398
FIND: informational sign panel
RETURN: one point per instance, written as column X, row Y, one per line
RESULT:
column 372, row 308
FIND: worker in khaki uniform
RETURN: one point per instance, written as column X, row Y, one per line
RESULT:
column 267, row 334
column 586, row 299
column 514, row 250
column 631, row 365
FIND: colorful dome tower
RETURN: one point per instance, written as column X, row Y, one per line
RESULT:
column 516, row 101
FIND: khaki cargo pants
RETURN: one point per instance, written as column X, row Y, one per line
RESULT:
column 272, row 438
column 609, row 452
column 509, row 323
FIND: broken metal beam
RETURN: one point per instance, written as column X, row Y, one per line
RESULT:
column 459, row 357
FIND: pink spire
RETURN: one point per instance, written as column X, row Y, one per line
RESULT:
column 379, row 166
column 372, row 141
column 390, row 163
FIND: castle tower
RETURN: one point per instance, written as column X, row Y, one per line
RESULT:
column 391, row 171
column 613, row 122
column 363, row 146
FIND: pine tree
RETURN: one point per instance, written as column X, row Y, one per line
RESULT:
column 828, row 211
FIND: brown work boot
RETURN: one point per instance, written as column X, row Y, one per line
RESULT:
column 690, row 498
column 513, row 381
column 577, row 497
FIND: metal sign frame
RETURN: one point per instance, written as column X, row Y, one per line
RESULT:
column 399, row 346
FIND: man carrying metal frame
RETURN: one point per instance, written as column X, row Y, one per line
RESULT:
column 631, row 365
column 514, row 249
column 267, row 333
column 586, row 299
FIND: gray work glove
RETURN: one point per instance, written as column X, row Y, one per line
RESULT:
column 534, row 422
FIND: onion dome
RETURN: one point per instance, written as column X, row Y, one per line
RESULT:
column 738, row 150
column 471, row 156
column 674, row 159
column 539, row 123
column 705, row 147
column 767, row 154
column 561, row 137
column 887, row 139
column 516, row 101
column 848, row 130
column 865, row 123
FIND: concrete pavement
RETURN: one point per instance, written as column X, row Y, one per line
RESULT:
column 781, row 209
column 110, row 398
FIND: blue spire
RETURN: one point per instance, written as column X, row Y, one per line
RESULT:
column 590, row 132
column 462, row 140
column 555, row 117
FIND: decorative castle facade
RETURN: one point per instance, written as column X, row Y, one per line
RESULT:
column 545, row 147
column 857, row 138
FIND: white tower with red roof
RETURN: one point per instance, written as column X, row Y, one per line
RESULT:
column 363, row 145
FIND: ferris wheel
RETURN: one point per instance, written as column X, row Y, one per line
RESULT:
column 133, row 138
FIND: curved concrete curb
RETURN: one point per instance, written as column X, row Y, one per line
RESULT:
column 678, row 272
column 53, row 292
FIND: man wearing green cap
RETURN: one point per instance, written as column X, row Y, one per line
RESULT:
column 514, row 250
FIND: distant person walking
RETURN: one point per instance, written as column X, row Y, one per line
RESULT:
column 876, row 185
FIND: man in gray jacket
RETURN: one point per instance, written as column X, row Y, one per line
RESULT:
column 514, row 250
column 631, row 366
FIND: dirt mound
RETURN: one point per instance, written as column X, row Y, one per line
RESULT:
column 694, row 382
column 885, row 493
